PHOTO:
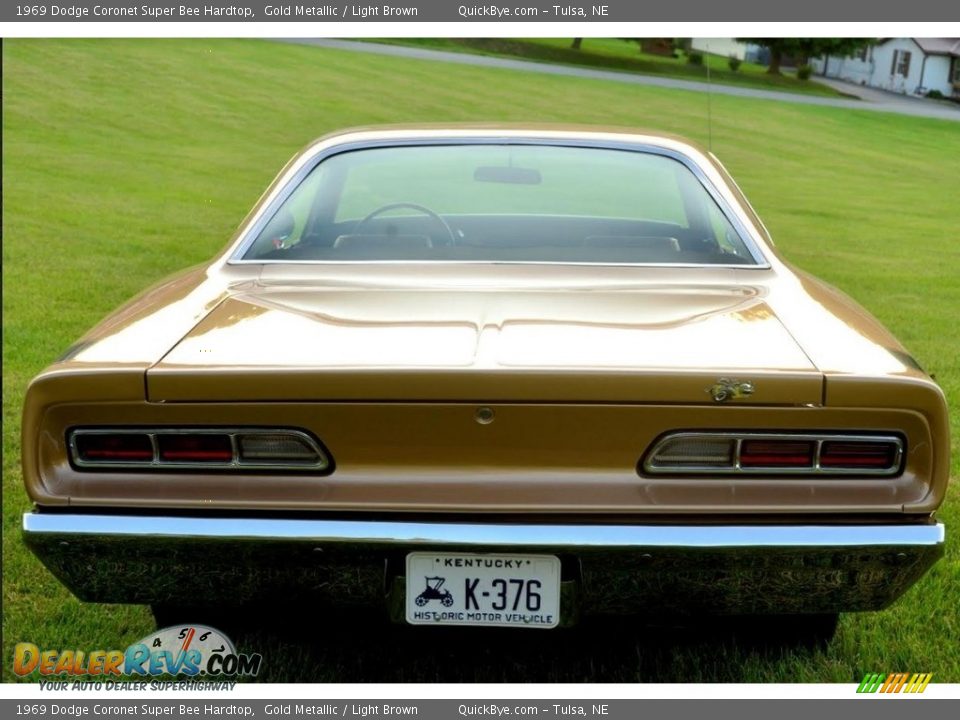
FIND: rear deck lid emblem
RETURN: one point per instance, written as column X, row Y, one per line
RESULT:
column 726, row 389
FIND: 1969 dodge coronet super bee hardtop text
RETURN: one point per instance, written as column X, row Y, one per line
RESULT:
column 491, row 376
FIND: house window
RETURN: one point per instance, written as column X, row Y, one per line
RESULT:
column 901, row 63
column 956, row 71
column 904, row 68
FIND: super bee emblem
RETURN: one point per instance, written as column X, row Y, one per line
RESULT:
column 727, row 389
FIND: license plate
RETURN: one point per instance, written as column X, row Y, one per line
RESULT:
column 483, row 589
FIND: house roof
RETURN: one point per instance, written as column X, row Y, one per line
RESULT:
column 939, row 46
column 933, row 46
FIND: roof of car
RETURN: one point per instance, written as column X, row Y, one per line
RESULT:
column 508, row 131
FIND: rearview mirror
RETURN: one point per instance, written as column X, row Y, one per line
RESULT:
column 510, row 175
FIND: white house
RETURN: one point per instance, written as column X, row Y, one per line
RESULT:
column 902, row 65
column 720, row 46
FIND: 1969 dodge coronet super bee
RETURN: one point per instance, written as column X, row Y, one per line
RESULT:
column 491, row 376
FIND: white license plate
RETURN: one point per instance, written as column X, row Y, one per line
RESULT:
column 483, row 589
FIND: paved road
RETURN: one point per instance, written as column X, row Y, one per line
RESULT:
column 876, row 95
column 882, row 102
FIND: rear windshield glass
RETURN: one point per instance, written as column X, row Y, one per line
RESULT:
column 500, row 203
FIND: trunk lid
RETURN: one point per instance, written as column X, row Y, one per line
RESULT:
column 642, row 344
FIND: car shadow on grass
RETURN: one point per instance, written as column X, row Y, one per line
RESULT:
column 354, row 646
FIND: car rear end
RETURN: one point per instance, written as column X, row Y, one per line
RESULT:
column 534, row 492
column 609, row 396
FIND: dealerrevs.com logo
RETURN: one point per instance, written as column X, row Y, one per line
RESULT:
column 190, row 650
column 894, row 683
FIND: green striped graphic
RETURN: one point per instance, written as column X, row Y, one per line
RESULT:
column 871, row 683
column 894, row 682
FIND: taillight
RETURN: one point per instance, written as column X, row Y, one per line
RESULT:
column 211, row 448
column 195, row 448
column 777, row 453
column 858, row 454
column 725, row 453
column 113, row 448
column 269, row 448
column 697, row 451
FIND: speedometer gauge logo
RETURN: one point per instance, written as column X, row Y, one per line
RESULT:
column 188, row 650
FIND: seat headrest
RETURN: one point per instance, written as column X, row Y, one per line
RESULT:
column 383, row 242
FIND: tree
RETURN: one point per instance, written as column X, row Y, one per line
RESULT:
column 843, row 47
column 665, row 47
column 577, row 42
column 778, row 47
column 806, row 47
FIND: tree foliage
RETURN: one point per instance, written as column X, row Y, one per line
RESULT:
column 805, row 48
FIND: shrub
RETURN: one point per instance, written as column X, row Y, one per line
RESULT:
column 935, row 95
column 733, row 62
column 695, row 58
column 658, row 46
column 804, row 72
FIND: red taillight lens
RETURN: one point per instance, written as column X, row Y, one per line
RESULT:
column 777, row 453
column 195, row 448
column 114, row 447
column 213, row 449
column 799, row 454
column 857, row 455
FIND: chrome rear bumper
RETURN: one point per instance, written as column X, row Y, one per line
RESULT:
column 613, row 568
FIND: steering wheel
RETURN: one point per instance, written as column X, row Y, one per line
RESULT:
column 411, row 206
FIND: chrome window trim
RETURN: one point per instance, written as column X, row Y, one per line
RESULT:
column 259, row 222
column 547, row 263
column 324, row 464
column 650, row 468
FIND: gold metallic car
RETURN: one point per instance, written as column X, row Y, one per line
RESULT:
column 491, row 376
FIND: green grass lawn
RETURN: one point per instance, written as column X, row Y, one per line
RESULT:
column 124, row 160
column 624, row 56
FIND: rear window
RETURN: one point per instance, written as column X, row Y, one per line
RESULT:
column 501, row 203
